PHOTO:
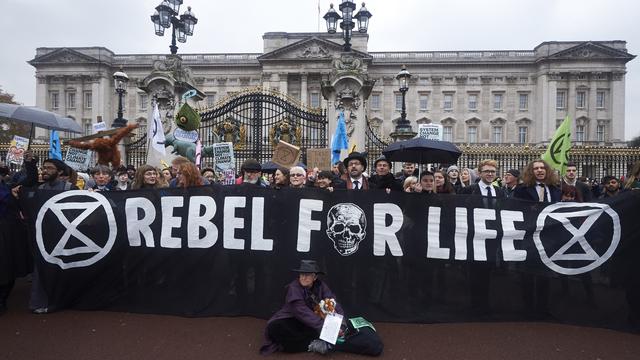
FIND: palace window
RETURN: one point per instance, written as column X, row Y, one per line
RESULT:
column 314, row 100
column 523, row 102
column 87, row 127
column 581, row 99
column 561, row 99
column 600, row 133
column 600, row 100
column 579, row 132
column 473, row 102
column 424, row 102
column 375, row 102
column 88, row 100
column 448, row 102
column 497, row 102
column 143, row 101
column 497, row 134
column 522, row 134
column 71, row 100
column 54, row 100
column 398, row 98
column 447, row 133
column 472, row 134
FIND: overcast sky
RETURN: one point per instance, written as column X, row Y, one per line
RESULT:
column 124, row 26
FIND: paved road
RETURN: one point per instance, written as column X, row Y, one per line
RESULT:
column 101, row 335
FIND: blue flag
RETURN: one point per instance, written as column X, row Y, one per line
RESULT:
column 339, row 141
column 54, row 146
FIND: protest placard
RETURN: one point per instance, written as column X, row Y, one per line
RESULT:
column 285, row 154
column 430, row 131
column 78, row 159
column 319, row 158
column 18, row 146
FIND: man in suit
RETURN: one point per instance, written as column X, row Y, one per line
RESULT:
column 356, row 164
column 539, row 183
column 571, row 185
column 485, row 187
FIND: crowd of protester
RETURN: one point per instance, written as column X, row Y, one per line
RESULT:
column 536, row 182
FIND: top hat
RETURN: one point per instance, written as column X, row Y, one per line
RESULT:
column 308, row 266
column 251, row 165
column 355, row 156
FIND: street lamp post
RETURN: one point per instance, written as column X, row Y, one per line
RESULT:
column 166, row 15
column 120, row 80
column 347, row 7
column 403, row 130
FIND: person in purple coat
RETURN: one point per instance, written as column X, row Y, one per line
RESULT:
column 295, row 326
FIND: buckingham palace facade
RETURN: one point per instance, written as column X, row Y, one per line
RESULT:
column 484, row 96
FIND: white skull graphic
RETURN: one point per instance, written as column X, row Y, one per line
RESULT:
column 346, row 225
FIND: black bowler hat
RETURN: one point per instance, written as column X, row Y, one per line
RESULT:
column 356, row 156
column 308, row 266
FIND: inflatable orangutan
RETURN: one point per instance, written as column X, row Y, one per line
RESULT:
column 106, row 147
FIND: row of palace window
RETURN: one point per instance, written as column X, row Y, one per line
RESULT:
column 498, row 101
column 87, row 104
column 581, row 99
column 448, row 101
column 497, row 135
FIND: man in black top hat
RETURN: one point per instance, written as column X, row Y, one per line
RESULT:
column 383, row 178
column 251, row 171
column 356, row 164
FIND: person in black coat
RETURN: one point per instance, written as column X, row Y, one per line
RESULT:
column 539, row 183
column 383, row 178
column 485, row 187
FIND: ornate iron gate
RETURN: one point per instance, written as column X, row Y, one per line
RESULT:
column 255, row 120
column 373, row 145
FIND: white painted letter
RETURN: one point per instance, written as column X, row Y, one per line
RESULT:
column 481, row 233
column 257, row 227
column 434, row 251
column 510, row 234
column 168, row 203
column 136, row 226
column 462, row 229
column 305, row 224
column 195, row 221
column 231, row 222
column 386, row 234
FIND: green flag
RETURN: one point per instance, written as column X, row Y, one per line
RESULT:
column 557, row 154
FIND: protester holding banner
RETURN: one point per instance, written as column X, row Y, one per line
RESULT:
column 383, row 178
column 297, row 177
column 427, row 182
column 146, row 177
column 485, row 186
column 188, row 175
column 209, row 174
column 610, row 187
column 453, row 172
column 52, row 169
column 356, row 164
column 539, row 183
column 281, row 178
column 102, row 176
column 443, row 186
column 511, row 180
column 250, row 172
column 122, row 179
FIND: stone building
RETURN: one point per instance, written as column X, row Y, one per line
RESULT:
column 489, row 96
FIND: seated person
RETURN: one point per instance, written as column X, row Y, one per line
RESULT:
column 297, row 325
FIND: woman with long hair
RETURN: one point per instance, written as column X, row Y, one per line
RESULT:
column 281, row 178
column 188, row 175
column 443, row 185
column 146, row 177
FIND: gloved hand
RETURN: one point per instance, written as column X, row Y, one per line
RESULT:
column 320, row 346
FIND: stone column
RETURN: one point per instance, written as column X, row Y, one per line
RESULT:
column 284, row 88
column 303, row 89
column 617, row 107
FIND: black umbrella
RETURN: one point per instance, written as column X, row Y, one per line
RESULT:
column 422, row 151
column 270, row 166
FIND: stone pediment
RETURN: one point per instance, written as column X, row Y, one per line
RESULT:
column 590, row 51
column 312, row 49
column 64, row 56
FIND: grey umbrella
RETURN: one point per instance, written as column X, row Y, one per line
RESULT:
column 38, row 117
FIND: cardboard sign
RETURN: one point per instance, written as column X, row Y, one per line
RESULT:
column 100, row 126
column 285, row 154
column 319, row 158
column 78, row 159
column 223, row 156
column 18, row 146
column 430, row 131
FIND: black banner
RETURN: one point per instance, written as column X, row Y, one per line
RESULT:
column 389, row 257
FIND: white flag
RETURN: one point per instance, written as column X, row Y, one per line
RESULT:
column 156, row 132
